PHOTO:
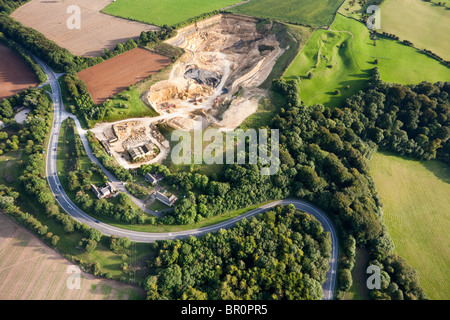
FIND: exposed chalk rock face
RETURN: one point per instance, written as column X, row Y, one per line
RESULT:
column 203, row 77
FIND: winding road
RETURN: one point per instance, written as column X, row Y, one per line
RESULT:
column 64, row 201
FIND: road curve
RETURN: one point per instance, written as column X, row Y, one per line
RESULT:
column 64, row 201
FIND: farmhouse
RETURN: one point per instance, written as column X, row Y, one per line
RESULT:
column 168, row 201
column 154, row 178
column 104, row 192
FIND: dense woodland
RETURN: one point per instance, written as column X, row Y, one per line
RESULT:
column 324, row 159
column 282, row 254
column 413, row 120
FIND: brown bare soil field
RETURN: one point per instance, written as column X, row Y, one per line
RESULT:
column 30, row 270
column 98, row 30
column 15, row 75
column 115, row 75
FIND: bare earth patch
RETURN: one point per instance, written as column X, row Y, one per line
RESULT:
column 30, row 270
column 115, row 75
column 15, row 75
column 98, row 30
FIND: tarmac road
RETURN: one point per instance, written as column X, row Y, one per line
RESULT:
column 68, row 206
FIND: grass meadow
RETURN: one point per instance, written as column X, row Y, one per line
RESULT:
column 315, row 13
column 416, row 201
column 167, row 12
column 423, row 23
column 343, row 59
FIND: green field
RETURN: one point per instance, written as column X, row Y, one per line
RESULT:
column 425, row 24
column 136, row 107
column 416, row 203
column 307, row 12
column 343, row 59
column 167, row 12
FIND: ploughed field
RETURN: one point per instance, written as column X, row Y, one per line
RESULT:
column 98, row 31
column 115, row 75
column 30, row 270
column 15, row 75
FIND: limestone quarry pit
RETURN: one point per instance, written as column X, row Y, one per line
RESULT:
column 214, row 82
column 225, row 61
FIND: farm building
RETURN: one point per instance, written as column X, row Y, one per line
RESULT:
column 141, row 151
column 168, row 201
column 104, row 192
column 154, row 178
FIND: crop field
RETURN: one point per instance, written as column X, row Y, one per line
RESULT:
column 29, row 270
column 167, row 12
column 416, row 203
column 315, row 13
column 15, row 75
column 343, row 57
column 98, row 31
column 423, row 23
column 115, row 75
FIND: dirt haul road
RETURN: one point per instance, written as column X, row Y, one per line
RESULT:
column 98, row 30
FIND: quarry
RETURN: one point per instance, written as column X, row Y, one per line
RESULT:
column 226, row 60
column 215, row 82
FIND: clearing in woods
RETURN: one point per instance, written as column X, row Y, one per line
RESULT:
column 30, row 270
column 15, row 75
column 98, row 31
column 415, row 197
